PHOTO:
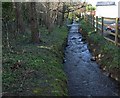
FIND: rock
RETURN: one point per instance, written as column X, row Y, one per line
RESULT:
column 80, row 57
column 67, row 45
column 79, row 37
column 73, row 38
column 64, row 60
column 93, row 59
column 84, row 42
column 107, row 74
column 75, row 65
column 83, row 39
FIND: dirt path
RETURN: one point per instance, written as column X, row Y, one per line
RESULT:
column 84, row 76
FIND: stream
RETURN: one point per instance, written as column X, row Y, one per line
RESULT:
column 84, row 76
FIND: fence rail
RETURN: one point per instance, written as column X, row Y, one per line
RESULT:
column 100, row 26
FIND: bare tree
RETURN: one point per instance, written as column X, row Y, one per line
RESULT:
column 19, row 17
column 34, row 23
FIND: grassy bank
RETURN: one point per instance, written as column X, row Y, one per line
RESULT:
column 30, row 69
column 106, row 53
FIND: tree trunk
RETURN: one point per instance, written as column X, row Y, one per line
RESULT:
column 47, row 20
column 34, row 23
column 19, row 17
column 63, row 13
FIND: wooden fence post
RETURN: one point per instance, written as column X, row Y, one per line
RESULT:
column 93, row 21
column 102, row 25
column 86, row 18
column 84, row 15
column 80, row 15
column 96, row 23
column 116, row 31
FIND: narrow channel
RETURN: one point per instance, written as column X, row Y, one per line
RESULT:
column 84, row 76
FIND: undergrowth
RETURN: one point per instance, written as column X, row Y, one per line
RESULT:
column 110, row 53
column 30, row 69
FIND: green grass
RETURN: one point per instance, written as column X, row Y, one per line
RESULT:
column 41, row 71
column 109, row 50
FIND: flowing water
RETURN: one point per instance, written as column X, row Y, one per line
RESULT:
column 84, row 76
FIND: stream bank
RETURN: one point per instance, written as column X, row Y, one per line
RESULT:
column 106, row 54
